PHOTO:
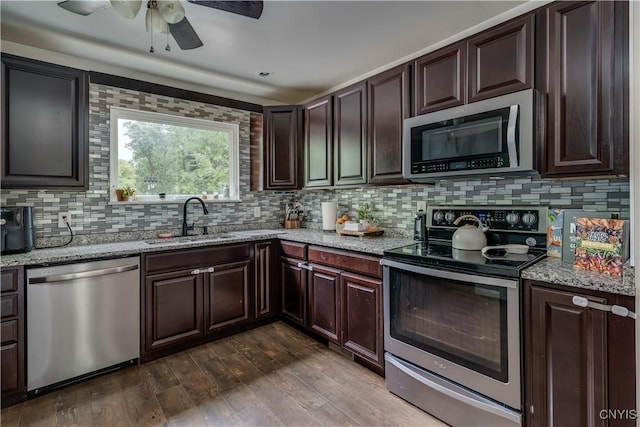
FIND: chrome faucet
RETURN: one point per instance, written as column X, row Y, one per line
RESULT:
column 185, row 227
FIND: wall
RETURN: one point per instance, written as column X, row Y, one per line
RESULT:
column 397, row 205
column 92, row 212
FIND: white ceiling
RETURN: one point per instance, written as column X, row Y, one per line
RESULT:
column 309, row 46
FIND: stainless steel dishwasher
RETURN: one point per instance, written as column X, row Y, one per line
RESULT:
column 81, row 319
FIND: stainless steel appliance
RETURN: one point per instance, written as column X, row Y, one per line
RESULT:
column 82, row 319
column 17, row 234
column 493, row 136
column 452, row 317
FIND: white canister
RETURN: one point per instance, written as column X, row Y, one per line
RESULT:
column 329, row 215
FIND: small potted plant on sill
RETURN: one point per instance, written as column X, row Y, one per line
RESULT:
column 367, row 217
column 124, row 193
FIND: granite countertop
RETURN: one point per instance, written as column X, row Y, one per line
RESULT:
column 550, row 270
column 553, row 270
column 120, row 249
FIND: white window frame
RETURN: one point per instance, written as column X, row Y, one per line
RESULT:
column 233, row 129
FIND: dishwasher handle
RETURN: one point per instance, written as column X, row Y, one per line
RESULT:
column 82, row 274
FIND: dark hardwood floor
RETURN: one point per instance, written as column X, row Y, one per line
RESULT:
column 272, row 375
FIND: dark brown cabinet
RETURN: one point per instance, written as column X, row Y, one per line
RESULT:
column 324, row 301
column 338, row 296
column 282, row 147
column 318, row 143
column 500, row 60
column 12, row 352
column 226, row 295
column 579, row 361
column 388, row 104
column 582, row 56
column 266, row 294
column 193, row 295
column 350, row 135
column 362, row 316
column 440, row 79
column 294, row 290
column 174, row 310
column 44, row 125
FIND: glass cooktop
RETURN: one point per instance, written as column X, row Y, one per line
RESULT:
column 442, row 256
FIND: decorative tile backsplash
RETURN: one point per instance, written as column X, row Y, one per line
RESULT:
column 92, row 212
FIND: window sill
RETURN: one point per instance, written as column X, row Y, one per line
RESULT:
column 177, row 201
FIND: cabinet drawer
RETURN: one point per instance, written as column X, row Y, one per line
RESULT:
column 294, row 250
column 347, row 261
column 9, row 280
column 9, row 332
column 9, row 306
column 194, row 258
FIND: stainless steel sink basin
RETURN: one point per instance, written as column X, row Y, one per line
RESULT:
column 186, row 239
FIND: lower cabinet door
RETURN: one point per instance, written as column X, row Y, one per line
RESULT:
column 324, row 301
column 265, row 292
column 9, row 361
column 227, row 295
column 174, row 309
column 567, row 375
column 294, row 290
column 362, row 317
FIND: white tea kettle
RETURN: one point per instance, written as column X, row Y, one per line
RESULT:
column 469, row 237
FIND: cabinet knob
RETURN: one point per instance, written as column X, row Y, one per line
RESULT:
column 196, row 271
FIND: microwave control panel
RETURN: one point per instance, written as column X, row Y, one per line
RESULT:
column 489, row 162
column 507, row 218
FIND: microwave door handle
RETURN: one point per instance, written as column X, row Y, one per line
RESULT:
column 511, row 136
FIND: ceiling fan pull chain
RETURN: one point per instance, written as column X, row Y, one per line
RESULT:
column 167, row 47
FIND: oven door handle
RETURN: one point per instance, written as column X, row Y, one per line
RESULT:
column 451, row 275
column 501, row 412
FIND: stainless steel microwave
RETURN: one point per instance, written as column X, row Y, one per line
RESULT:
column 495, row 136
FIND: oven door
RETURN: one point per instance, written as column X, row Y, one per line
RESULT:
column 463, row 327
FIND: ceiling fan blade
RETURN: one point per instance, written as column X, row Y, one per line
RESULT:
column 185, row 35
column 250, row 9
column 84, row 7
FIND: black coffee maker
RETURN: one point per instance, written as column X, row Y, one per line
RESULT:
column 420, row 226
column 16, row 230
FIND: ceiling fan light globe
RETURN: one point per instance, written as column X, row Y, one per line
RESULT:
column 127, row 8
column 171, row 11
column 155, row 23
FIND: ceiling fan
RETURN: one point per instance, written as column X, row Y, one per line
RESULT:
column 164, row 16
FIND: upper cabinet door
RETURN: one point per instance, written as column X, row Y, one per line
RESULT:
column 584, row 47
column 439, row 80
column 500, row 60
column 318, row 142
column 388, row 104
column 44, row 125
column 350, row 135
column 283, row 136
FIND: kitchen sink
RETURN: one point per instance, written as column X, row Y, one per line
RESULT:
column 186, row 239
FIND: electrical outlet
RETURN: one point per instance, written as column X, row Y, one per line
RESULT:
column 256, row 211
column 422, row 205
column 61, row 222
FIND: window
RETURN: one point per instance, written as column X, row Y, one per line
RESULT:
column 158, row 153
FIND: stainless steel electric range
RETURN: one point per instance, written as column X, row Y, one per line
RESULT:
column 452, row 317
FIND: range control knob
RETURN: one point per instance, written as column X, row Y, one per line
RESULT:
column 450, row 216
column 529, row 218
column 438, row 216
column 512, row 218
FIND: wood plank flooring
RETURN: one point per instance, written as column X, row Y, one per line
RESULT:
column 270, row 376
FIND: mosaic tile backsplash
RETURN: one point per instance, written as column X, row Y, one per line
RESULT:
column 93, row 213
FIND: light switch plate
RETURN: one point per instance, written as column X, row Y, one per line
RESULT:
column 421, row 205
